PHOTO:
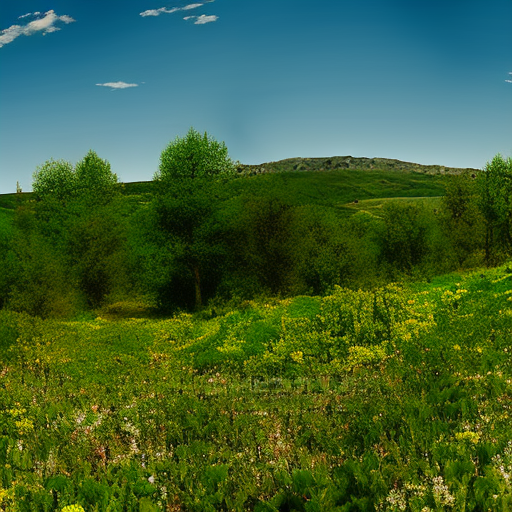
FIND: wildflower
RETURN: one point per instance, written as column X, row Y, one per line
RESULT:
column 73, row 508
column 441, row 492
column 396, row 499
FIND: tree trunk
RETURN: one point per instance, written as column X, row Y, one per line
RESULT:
column 197, row 282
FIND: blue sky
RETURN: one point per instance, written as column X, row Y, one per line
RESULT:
column 421, row 81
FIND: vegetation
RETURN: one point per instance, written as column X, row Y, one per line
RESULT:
column 395, row 399
column 187, row 200
column 324, row 341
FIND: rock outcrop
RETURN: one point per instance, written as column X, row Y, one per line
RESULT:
column 347, row 162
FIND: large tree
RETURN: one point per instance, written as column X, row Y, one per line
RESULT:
column 55, row 180
column 190, row 188
column 495, row 191
column 462, row 220
column 194, row 156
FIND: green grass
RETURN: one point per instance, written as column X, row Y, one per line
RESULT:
column 353, row 401
column 335, row 188
column 374, row 206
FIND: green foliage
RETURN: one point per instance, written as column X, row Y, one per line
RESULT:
column 5, row 256
column 68, row 247
column 185, row 212
column 194, row 156
column 404, row 239
column 266, row 245
column 186, row 217
column 462, row 221
column 96, row 249
column 36, row 274
column 395, row 399
column 55, row 180
column 95, row 182
column 495, row 201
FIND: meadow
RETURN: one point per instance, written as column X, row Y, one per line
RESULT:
column 395, row 399
column 332, row 340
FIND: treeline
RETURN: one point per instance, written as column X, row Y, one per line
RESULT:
column 204, row 239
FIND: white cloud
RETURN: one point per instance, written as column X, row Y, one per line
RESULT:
column 162, row 10
column 29, row 14
column 201, row 20
column 509, row 81
column 190, row 6
column 117, row 85
column 157, row 12
column 46, row 25
column 66, row 19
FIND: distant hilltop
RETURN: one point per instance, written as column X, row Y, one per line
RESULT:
column 347, row 162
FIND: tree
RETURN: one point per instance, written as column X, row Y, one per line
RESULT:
column 91, row 179
column 189, row 195
column 54, row 180
column 462, row 220
column 194, row 156
column 404, row 237
column 495, row 202
column 77, row 219
column 95, row 181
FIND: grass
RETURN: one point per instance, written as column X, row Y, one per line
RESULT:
column 374, row 206
column 357, row 401
column 334, row 188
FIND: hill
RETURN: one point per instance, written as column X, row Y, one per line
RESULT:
column 304, row 165
column 335, row 182
column 348, row 162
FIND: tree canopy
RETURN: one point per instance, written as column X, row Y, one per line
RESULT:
column 54, row 179
column 59, row 180
column 194, row 156
column 496, row 206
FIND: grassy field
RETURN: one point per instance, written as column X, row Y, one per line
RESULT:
column 374, row 206
column 335, row 188
column 394, row 400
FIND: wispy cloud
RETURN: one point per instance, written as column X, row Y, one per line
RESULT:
column 509, row 81
column 203, row 19
column 117, row 85
column 164, row 10
column 157, row 12
column 190, row 6
column 45, row 23
column 34, row 14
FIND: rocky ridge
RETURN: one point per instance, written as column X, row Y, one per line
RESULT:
column 347, row 162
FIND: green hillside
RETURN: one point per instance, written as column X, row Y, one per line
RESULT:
column 332, row 188
column 320, row 184
column 337, row 189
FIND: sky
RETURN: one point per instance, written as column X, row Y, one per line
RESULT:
column 421, row 81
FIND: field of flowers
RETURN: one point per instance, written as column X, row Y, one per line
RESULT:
column 397, row 399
